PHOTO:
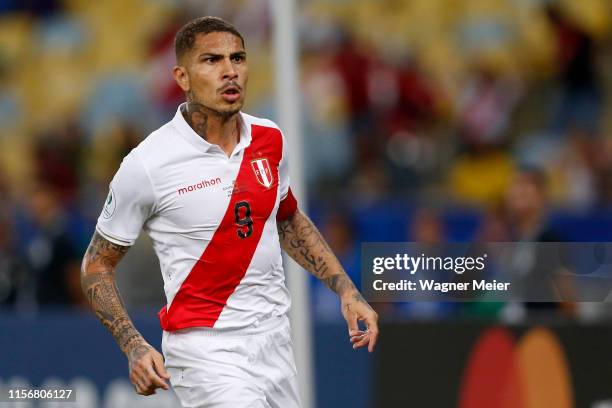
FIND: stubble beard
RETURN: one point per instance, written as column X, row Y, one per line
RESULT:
column 197, row 114
column 227, row 115
column 232, row 110
column 224, row 115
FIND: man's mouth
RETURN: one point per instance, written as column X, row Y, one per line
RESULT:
column 231, row 94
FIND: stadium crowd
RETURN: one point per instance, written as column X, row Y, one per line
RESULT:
column 426, row 121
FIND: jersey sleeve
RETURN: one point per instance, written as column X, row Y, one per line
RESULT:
column 288, row 203
column 129, row 204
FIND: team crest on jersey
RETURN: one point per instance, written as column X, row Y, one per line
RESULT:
column 262, row 171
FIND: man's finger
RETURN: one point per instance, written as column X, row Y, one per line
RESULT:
column 372, row 324
column 136, row 379
column 140, row 386
column 373, row 340
column 353, row 326
column 145, row 387
column 151, row 390
column 160, row 369
column 358, row 336
column 134, row 382
column 147, row 391
column 358, row 333
column 145, row 381
column 154, row 380
column 363, row 342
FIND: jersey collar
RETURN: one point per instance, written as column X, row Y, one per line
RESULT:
column 192, row 137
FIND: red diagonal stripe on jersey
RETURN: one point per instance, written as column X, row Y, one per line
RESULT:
column 224, row 262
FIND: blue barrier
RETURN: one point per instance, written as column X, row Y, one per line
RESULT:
column 71, row 348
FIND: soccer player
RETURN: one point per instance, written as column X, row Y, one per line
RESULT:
column 211, row 189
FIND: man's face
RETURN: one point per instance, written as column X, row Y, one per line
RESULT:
column 216, row 72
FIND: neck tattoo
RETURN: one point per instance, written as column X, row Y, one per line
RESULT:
column 197, row 118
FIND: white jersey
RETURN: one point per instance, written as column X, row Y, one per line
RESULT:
column 211, row 218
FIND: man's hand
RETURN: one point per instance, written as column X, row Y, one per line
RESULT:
column 147, row 371
column 354, row 310
column 303, row 242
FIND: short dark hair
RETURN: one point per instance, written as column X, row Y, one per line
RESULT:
column 186, row 36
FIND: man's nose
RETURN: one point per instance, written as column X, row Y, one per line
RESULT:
column 229, row 70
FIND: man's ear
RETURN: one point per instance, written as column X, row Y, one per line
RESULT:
column 181, row 76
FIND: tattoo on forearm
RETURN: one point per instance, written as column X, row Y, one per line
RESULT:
column 303, row 242
column 138, row 351
column 103, row 254
column 338, row 283
column 125, row 333
column 284, row 229
column 102, row 293
column 98, row 282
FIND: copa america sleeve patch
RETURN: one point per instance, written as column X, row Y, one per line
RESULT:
column 109, row 205
column 287, row 207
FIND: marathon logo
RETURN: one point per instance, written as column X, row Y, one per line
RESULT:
column 198, row 186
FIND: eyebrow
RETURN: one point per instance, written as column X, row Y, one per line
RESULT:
column 210, row 54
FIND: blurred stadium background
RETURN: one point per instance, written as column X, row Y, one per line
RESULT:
column 420, row 118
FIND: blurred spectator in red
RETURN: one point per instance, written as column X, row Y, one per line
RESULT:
column 353, row 63
column 399, row 96
column 58, row 159
column 580, row 101
column 325, row 116
column 486, row 106
column 166, row 94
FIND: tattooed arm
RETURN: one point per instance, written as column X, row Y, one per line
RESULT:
column 301, row 239
column 146, row 365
